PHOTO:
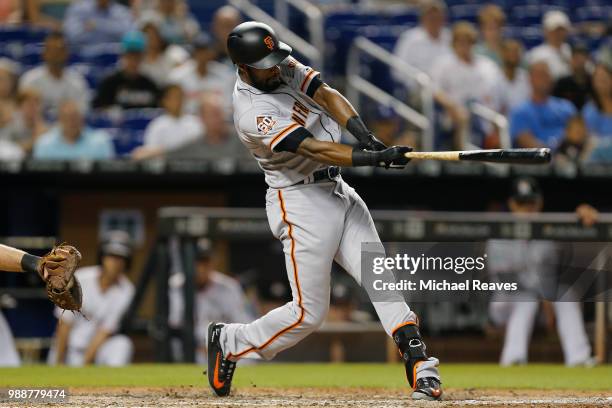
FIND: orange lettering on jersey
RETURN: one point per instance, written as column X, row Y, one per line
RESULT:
column 269, row 42
column 298, row 120
column 265, row 124
column 300, row 113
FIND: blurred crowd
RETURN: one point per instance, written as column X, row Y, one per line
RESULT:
column 169, row 89
column 558, row 94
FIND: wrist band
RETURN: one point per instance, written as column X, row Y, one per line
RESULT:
column 358, row 129
column 363, row 157
column 29, row 263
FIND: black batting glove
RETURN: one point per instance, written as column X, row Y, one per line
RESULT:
column 375, row 144
column 391, row 157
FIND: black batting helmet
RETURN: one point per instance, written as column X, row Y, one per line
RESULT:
column 256, row 45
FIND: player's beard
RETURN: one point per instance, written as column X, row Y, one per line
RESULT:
column 268, row 85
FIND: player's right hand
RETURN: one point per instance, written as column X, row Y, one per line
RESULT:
column 393, row 157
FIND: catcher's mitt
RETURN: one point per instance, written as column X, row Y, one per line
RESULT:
column 57, row 270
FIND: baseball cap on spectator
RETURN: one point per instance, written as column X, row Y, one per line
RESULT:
column 133, row 41
column 556, row 19
column 525, row 190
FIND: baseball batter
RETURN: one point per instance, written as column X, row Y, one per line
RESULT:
column 290, row 121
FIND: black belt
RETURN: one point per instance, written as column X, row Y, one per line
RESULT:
column 328, row 174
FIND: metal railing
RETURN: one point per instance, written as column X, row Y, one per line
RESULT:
column 314, row 21
column 495, row 118
column 357, row 85
column 312, row 52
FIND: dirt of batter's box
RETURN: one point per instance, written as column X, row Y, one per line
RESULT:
column 328, row 397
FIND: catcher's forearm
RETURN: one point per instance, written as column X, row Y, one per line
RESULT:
column 92, row 350
column 16, row 260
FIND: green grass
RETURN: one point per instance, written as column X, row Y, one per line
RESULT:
column 535, row 376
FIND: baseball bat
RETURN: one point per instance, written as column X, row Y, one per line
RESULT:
column 510, row 156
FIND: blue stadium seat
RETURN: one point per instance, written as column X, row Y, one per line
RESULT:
column 138, row 119
column 32, row 54
column 593, row 13
column 126, row 140
column 99, row 120
column 468, row 12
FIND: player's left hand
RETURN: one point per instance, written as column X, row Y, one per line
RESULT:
column 375, row 144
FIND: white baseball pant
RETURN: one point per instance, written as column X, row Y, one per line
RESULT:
column 316, row 224
column 8, row 352
column 520, row 322
column 116, row 351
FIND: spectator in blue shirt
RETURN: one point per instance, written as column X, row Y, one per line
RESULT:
column 96, row 21
column 540, row 121
column 71, row 140
column 598, row 113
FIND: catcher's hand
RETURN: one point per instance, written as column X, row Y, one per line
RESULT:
column 57, row 270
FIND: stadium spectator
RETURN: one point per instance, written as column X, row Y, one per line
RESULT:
column 421, row 45
column 10, row 12
column 26, row 12
column 576, row 145
column 541, row 120
column 491, row 20
column 598, row 112
column 204, row 74
column 29, row 123
column 53, row 79
column 555, row 50
column 89, row 22
column 71, row 140
column 160, row 58
column 218, row 297
column 513, row 87
column 171, row 130
column 535, row 266
column 218, row 140
column 462, row 77
column 9, row 357
column 8, row 77
column 9, row 150
column 176, row 24
column 223, row 22
column 127, row 87
column 91, row 337
column 576, row 87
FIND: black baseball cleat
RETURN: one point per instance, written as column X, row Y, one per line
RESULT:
column 427, row 388
column 220, row 370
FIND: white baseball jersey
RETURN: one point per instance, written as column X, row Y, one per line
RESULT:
column 317, row 223
column 100, row 309
column 264, row 119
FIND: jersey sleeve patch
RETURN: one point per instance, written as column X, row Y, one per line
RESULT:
column 265, row 124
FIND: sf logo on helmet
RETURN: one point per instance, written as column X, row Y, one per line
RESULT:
column 269, row 42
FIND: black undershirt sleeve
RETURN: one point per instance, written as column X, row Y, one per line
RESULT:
column 292, row 141
column 315, row 83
